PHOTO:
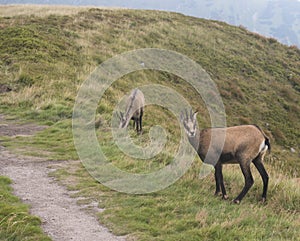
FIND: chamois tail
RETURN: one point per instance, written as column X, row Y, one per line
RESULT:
column 267, row 140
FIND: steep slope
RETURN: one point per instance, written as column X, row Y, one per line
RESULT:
column 44, row 59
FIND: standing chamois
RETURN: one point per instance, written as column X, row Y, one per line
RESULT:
column 242, row 145
column 134, row 111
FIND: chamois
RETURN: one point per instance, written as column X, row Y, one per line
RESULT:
column 134, row 111
column 241, row 145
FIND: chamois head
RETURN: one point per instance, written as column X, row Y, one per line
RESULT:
column 189, row 122
column 122, row 119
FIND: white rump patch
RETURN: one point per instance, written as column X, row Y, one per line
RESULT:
column 263, row 147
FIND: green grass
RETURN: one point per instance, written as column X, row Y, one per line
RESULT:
column 15, row 222
column 188, row 210
column 45, row 59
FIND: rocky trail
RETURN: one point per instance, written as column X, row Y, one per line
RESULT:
column 62, row 218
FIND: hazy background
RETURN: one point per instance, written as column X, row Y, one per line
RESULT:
column 273, row 18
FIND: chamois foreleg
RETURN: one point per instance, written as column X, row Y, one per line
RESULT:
column 264, row 175
column 140, row 119
column 245, row 167
column 136, row 124
column 219, row 181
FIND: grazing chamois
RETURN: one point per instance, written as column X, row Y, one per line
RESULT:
column 134, row 111
column 240, row 145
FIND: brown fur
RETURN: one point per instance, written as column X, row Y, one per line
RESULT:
column 243, row 145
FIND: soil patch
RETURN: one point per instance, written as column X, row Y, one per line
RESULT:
column 62, row 218
column 19, row 129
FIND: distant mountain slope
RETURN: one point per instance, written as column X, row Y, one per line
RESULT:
column 275, row 18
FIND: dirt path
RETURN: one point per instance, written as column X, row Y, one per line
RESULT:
column 62, row 219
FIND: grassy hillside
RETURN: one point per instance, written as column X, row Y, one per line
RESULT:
column 15, row 222
column 45, row 58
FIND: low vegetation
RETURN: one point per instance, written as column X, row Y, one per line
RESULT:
column 45, row 58
column 15, row 222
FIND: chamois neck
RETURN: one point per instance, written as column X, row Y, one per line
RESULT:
column 194, row 141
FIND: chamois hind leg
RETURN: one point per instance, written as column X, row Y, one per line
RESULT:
column 223, row 186
column 137, row 125
column 264, row 175
column 219, row 181
column 245, row 167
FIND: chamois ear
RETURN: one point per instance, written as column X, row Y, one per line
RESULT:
column 186, row 114
column 191, row 113
column 182, row 116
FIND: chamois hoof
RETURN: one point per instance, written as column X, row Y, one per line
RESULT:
column 224, row 197
column 218, row 194
column 236, row 201
column 263, row 200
